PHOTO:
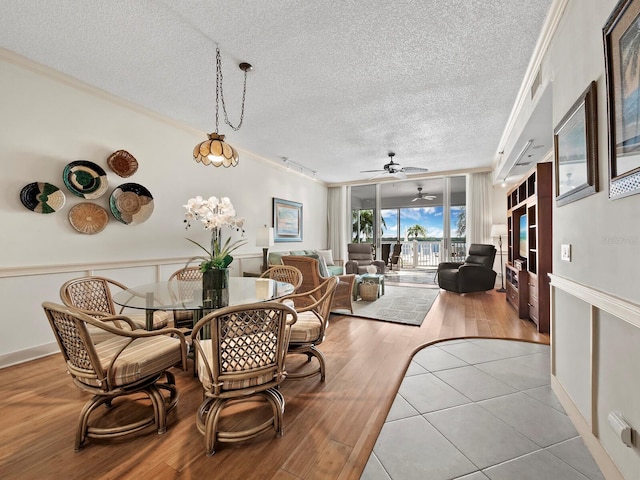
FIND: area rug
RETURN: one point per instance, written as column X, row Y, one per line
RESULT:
column 422, row 277
column 406, row 305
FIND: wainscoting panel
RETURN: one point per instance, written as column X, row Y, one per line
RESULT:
column 608, row 328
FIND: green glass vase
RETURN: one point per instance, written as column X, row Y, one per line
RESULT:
column 215, row 288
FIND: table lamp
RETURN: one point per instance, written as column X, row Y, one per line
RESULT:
column 498, row 231
column 264, row 239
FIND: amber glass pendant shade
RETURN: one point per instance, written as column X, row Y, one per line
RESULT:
column 216, row 152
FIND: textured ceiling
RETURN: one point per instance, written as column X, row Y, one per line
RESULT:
column 335, row 84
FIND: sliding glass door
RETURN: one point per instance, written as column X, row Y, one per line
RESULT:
column 426, row 216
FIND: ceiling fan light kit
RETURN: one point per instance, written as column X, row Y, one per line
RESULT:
column 423, row 196
column 395, row 169
column 215, row 151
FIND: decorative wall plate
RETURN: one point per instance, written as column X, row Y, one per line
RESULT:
column 131, row 203
column 122, row 163
column 85, row 179
column 88, row 218
column 42, row 197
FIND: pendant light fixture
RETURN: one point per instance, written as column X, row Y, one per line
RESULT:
column 215, row 151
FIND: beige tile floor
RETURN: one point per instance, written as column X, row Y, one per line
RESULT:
column 479, row 409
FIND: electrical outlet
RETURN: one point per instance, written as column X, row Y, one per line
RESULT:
column 565, row 252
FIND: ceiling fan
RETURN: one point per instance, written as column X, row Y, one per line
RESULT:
column 395, row 169
column 422, row 196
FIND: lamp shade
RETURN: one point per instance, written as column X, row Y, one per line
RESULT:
column 264, row 237
column 498, row 230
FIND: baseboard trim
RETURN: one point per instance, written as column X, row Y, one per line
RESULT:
column 600, row 455
column 28, row 354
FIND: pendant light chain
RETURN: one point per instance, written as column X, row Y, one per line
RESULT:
column 220, row 94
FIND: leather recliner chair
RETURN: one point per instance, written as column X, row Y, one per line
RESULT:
column 360, row 256
column 476, row 274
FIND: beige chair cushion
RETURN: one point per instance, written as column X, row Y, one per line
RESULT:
column 160, row 319
column 306, row 329
column 143, row 358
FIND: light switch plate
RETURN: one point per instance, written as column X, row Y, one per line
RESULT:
column 565, row 252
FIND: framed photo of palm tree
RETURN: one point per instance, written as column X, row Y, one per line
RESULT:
column 622, row 61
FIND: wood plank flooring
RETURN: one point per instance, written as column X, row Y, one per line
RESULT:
column 330, row 427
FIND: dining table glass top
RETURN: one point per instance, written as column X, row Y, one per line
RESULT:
column 187, row 295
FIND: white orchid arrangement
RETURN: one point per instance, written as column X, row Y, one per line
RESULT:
column 215, row 214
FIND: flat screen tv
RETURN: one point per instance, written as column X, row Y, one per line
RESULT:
column 524, row 237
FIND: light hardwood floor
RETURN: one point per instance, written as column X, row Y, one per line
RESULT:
column 330, row 427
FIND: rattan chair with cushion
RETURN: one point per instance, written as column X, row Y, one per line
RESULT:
column 313, row 309
column 284, row 273
column 129, row 362
column 240, row 353
column 92, row 295
column 190, row 279
column 311, row 279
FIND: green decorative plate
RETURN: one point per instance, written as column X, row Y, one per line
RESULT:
column 42, row 197
column 85, row 179
column 131, row 203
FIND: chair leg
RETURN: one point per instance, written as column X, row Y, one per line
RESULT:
column 309, row 351
column 161, row 406
column 208, row 417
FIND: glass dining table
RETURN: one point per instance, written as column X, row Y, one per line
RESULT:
column 180, row 295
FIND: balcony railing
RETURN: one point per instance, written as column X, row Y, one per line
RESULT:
column 428, row 253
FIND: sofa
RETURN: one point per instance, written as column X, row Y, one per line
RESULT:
column 328, row 266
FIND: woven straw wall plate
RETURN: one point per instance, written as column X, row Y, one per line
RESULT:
column 122, row 163
column 88, row 218
column 85, row 179
column 42, row 197
column 131, row 203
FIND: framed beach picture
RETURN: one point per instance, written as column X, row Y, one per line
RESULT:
column 622, row 61
column 287, row 221
column 575, row 142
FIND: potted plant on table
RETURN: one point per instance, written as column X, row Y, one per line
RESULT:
column 215, row 214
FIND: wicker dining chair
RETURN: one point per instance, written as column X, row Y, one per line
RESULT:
column 131, row 361
column 311, row 279
column 313, row 309
column 240, row 352
column 284, row 273
column 92, row 295
column 190, row 280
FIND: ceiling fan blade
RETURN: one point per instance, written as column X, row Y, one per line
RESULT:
column 371, row 171
column 417, row 198
column 415, row 169
column 399, row 174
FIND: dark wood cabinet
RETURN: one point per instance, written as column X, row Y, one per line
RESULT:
column 529, row 243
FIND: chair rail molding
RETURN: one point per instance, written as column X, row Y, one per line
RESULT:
column 623, row 309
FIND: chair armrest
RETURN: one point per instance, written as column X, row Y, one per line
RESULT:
column 351, row 266
column 472, row 276
column 380, row 265
column 449, row 265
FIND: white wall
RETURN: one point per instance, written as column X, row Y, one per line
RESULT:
column 49, row 120
column 595, row 308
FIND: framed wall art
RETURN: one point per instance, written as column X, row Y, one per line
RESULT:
column 622, row 62
column 287, row 221
column 575, row 143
